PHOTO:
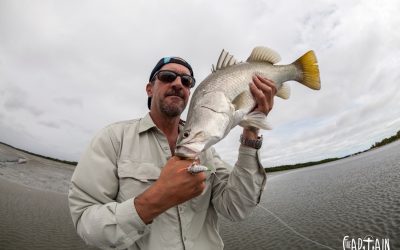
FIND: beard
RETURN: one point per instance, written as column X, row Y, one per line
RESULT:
column 172, row 108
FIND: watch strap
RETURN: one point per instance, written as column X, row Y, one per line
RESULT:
column 251, row 143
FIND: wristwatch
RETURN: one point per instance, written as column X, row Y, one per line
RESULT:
column 251, row 143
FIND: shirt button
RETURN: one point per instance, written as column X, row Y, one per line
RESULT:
column 140, row 232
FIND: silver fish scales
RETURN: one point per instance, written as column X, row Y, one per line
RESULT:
column 223, row 100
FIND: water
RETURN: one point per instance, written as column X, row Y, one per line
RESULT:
column 357, row 197
column 35, row 219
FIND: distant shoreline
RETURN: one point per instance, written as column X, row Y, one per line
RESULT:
column 313, row 163
column 42, row 156
column 269, row 169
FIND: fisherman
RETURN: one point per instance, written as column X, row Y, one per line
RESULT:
column 130, row 191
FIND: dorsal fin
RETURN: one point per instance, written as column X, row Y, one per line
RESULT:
column 225, row 60
column 264, row 54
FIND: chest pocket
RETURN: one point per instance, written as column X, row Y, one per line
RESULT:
column 135, row 177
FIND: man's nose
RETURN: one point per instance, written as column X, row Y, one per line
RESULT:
column 177, row 83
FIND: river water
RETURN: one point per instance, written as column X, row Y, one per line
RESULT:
column 308, row 208
column 316, row 207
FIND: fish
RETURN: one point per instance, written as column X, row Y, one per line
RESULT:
column 223, row 99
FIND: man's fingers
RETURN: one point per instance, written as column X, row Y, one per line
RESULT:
column 266, row 85
column 263, row 91
column 265, row 80
column 256, row 92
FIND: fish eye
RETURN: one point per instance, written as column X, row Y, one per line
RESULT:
column 186, row 134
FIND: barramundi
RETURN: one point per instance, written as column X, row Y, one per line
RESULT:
column 223, row 99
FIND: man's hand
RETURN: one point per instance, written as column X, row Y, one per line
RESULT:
column 174, row 186
column 263, row 91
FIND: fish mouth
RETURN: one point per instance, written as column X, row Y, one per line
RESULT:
column 185, row 152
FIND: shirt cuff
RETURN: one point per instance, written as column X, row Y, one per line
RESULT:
column 249, row 163
column 129, row 220
column 249, row 156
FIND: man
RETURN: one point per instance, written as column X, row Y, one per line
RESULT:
column 129, row 191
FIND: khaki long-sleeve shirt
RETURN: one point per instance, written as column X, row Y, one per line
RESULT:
column 126, row 158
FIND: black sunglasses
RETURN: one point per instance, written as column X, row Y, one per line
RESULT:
column 169, row 76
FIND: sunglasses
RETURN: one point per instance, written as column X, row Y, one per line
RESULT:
column 168, row 76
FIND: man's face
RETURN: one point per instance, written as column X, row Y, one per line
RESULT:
column 169, row 98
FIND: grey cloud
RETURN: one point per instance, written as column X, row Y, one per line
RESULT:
column 78, row 126
column 324, row 20
column 17, row 99
column 69, row 101
column 50, row 124
column 80, row 68
column 17, row 104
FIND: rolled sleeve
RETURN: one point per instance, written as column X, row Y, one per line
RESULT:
column 129, row 220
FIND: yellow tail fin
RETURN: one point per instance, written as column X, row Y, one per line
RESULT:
column 308, row 64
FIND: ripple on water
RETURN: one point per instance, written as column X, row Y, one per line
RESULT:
column 357, row 196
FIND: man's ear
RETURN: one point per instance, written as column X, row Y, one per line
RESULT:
column 149, row 89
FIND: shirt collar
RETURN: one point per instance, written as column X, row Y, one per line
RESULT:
column 147, row 123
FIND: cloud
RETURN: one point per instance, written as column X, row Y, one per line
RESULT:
column 75, row 67
column 17, row 103
column 15, row 99
column 69, row 101
column 50, row 124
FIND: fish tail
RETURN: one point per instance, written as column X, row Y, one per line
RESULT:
column 308, row 65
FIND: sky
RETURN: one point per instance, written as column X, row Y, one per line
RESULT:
column 69, row 68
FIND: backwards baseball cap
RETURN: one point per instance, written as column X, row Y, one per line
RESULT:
column 163, row 61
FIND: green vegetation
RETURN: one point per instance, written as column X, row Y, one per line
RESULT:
column 387, row 140
column 268, row 170
column 300, row 165
column 46, row 157
column 307, row 164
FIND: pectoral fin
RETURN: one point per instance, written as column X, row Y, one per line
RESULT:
column 284, row 91
column 255, row 119
column 241, row 100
